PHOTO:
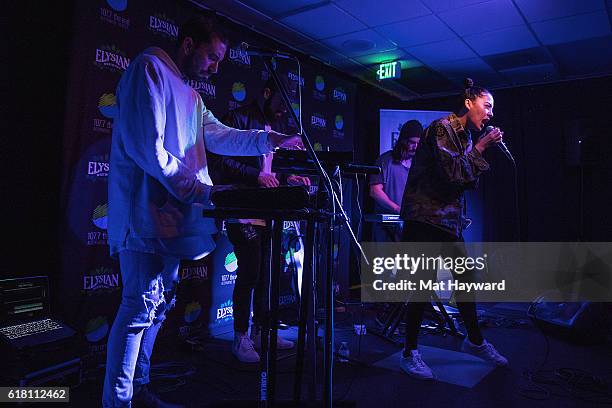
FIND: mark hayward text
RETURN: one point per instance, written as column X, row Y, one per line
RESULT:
column 406, row 285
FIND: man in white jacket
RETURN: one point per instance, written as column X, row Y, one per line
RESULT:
column 158, row 186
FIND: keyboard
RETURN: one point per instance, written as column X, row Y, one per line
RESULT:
column 383, row 218
column 30, row 328
column 274, row 198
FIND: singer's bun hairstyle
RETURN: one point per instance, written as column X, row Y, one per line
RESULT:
column 471, row 92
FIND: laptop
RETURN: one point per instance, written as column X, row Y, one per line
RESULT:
column 25, row 313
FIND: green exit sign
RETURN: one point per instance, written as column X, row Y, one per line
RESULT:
column 388, row 70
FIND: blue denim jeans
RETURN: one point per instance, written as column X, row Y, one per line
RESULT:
column 143, row 308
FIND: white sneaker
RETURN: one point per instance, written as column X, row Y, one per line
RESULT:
column 281, row 343
column 243, row 349
column 415, row 367
column 486, row 351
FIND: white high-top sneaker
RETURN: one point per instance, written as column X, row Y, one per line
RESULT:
column 486, row 351
column 415, row 366
column 243, row 349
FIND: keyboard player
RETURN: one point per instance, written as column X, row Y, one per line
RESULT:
column 387, row 188
column 250, row 237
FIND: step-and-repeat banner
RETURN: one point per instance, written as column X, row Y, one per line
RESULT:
column 108, row 34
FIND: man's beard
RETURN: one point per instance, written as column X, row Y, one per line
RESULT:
column 408, row 155
column 189, row 69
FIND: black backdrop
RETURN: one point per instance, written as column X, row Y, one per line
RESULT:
column 65, row 61
column 543, row 126
column 108, row 34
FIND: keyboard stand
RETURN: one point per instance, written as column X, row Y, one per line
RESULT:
column 395, row 316
column 268, row 353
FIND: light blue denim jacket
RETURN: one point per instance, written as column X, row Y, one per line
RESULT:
column 158, row 181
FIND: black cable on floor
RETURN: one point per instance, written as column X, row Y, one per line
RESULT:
column 571, row 383
column 357, row 368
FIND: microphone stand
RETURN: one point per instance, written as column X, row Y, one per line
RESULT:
column 313, row 155
column 502, row 146
column 516, row 202
column 506, row 152
column 336, row 205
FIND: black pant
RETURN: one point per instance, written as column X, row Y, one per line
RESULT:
column 252, row 248
column 422, row 232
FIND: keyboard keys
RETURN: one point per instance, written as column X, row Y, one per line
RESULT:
column 30, row 328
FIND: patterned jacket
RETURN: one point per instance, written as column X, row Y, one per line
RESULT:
column 444, row 166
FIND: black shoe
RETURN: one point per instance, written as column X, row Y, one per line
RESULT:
column 145, row 398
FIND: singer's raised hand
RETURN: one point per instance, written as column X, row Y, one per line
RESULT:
column 491, row 137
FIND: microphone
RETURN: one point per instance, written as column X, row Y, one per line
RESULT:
column 502, row 146
column 261, row 51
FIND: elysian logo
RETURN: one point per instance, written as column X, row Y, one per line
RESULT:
column 206, row 89
column 111, row 58
column 318, row 121
column 163, row 25
column 101, row 278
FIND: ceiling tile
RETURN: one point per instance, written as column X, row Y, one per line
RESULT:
column 349, row 66
column 439, row 6
column 377, row 58
column 349, row 44
column 360, row 71
column 323, row 22
column 584, row 57
column 375, row 13
column 417, row 31
column 530, row 56
column 288, row 35
column 471, row 67
column 321, row 51
column 410, row 62
column 573, row 28
column 500, row 41
column 531, row 74
column 488, row 81
column 275, row 8
column 443, row 51
column 482, row 17
column 406, row 60
column 496, row 48
column 238, row 11
column 541, row 10
column 423, row 80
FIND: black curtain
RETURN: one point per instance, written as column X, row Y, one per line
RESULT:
column 561, row 138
